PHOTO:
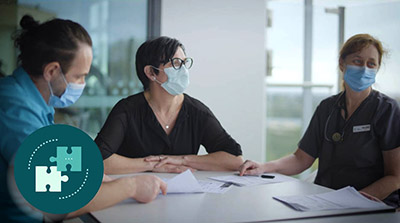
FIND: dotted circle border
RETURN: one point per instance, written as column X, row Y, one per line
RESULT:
column 80, row 187
column 38, row 147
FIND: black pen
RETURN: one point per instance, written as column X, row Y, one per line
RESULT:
column 262, row 176
column 267, row 176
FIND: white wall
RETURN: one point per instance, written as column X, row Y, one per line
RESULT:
column 226, row 38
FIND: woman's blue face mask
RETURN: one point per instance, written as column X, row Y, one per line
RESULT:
column 177, row 82
column 359, row 78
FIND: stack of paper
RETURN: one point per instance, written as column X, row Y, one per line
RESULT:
column 252, row 180
column 344, row 198
column 183, row 183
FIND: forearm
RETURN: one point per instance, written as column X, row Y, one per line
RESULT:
column 110, row 193
column 217, row 161
column 117, row 164
column 383, row 187
column 291, row 164
column 288, row 165
column 391, row 180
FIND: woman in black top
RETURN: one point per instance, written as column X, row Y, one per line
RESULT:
column 161, row 129
column 355, row 134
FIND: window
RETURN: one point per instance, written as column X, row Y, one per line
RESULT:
column 117, row 29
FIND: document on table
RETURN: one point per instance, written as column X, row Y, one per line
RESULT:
column 344, row 198
column 252, row 180
column 183, row 183
column 187, row 183
column 214, row 186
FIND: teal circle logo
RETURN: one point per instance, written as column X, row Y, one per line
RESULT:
column 58, row 169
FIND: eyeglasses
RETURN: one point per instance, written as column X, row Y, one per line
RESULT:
column 177, row 63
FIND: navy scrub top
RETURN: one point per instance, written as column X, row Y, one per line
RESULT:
column 356, row 160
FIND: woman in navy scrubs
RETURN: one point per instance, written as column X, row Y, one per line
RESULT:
column 355, row 134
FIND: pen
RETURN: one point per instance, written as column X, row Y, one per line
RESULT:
column 262, row 176
column 267, row 176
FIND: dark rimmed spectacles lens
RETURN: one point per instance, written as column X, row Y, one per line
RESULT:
column 188, row 63
column 176, row 63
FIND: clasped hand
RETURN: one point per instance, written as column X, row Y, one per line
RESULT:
column 168, row 164
column 251, row 168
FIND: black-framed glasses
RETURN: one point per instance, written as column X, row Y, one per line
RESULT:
column 177, row 63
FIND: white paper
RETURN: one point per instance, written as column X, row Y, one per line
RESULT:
column 344, row 198
column 185, row 182
column 252, row 180
column 214, row 186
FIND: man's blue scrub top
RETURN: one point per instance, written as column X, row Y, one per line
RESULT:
column 22, row 111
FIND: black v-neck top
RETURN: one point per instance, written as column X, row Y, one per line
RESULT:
column 132, row 130
column 357, row 160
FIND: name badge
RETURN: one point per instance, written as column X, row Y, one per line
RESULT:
column 362, row 128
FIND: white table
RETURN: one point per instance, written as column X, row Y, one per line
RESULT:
column 391, row 217
column 239, row 204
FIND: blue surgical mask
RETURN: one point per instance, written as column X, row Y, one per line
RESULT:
column 178, row 80
column 359, row 78
column 71, row 95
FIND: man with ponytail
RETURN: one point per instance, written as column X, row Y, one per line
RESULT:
column 54, row 58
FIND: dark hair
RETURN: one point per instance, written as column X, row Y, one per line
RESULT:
column 56, row 40
column 155, row 52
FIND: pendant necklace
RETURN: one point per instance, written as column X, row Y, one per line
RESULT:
column 167, row 124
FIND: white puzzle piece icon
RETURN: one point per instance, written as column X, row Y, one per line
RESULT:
column 53, row 179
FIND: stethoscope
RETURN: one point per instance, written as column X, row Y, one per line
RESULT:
column 338, row 136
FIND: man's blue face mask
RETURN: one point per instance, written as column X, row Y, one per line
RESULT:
column 359, row 78
column 71, row 95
